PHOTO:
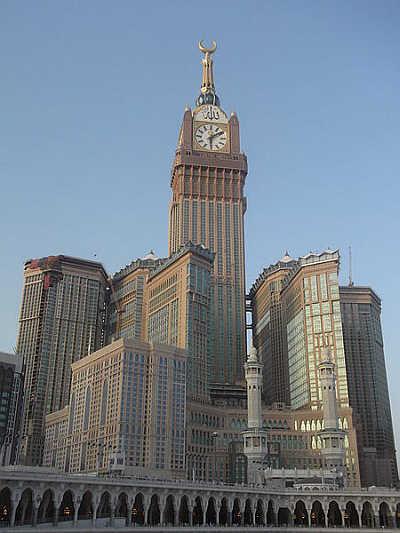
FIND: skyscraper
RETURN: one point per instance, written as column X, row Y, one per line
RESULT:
column 178, row 311
column 296, row 312
column 269, row 331
column 62, row 319
column 367, row 383
column 207, row 207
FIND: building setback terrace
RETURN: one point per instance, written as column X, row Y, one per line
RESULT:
column 39, row 496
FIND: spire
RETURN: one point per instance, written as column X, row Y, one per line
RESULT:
column 207, row 91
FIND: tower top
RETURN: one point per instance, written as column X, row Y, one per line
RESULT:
column 207, row 91
column 252, row 358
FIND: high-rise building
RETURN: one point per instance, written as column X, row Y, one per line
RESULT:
column 11, row 406
column 269, row 331
column 207, row 207
column 367, row 384
column 62, row 319
column 127, row 413
column 127, row 307
column 296, row 312
column 178, row 311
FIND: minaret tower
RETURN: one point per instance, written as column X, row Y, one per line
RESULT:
column 254, row 437
column 332, row 451
column 207, row 207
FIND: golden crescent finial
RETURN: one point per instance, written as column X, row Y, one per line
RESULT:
column 206, row 50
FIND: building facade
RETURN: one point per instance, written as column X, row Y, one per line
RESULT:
column 178, row 311
column 126, row 313
column 127, row 413
column 207, row 207
column 269, row 330
column 62, row 319
column 367, row 383
column 11, row 406
column 307, row 318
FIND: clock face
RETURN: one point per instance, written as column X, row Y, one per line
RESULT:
column 210, row 137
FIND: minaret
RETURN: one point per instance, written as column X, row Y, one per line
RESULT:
column 254, row 437
column 332, row 451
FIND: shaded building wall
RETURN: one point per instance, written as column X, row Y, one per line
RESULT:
column 368, row 387
column 62, row 319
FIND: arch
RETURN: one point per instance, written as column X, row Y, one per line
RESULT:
column 121, row 509
column 104, row 507
column 236, row 513
column 317, row 515
column 300, row 517
column 211, row 513
column 351, row 518
column 66, row 510
column 397, row 516
column 367, row 515
column 283, row 516
column 197, row 516
column 24, row 512
column 385, row 518
column 184, row 513
column 138, row 512
column 334, row 515
column 5, row 506
column 169, row 511
column 270, row 518
column 248, row 513
column 85, row 510
column 47, row 509
column 259, row 514
column 153, row 515
column 223, row 513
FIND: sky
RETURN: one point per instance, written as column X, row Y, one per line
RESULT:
column 91, row 99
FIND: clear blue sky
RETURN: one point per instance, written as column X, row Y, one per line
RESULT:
column 92, row 95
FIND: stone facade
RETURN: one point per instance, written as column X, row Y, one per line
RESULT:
column 42, row 496
column 126, row 415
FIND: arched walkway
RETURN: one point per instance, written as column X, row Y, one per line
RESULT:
column 24, row 512
column 351, row 518
column 184, row 513
column 138, row 510
column 259, row 514
column 334, row 515
column 284, row 516
column 248, row 514
column 317, row 515
column 5, row 507
column 197, row 513
column 121, row 509
column 85, row 510
column 300, row 517
column 153, row 516
column 236, row 513
column 211, row 513
column 223, row 516
column 104, row 508
column 47, row 509
column 169, row 511
column 367, row 515
column 66, row 510
column 271, row 519
column 385, row 520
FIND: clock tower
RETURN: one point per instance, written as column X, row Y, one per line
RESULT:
column 207, row 207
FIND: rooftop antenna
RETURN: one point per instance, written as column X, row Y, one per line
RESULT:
column 351, row 283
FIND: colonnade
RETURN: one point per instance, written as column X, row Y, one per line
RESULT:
column 35, row 504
